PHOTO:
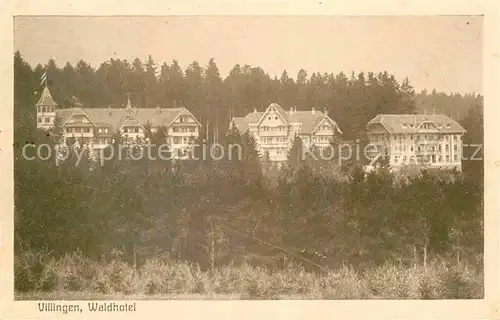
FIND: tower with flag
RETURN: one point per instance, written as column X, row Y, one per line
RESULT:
column 45, row 107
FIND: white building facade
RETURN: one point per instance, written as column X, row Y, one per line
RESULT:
column 97, row 126
column 275, row 129
column 434, row 141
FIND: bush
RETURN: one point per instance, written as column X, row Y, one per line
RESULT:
column 439, row 280
column 28, row 270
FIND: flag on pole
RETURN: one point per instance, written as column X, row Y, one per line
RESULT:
column 43, row 78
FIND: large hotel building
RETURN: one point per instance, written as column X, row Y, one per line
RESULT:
column 96, row 126
column 431, row 140
column 274, row 129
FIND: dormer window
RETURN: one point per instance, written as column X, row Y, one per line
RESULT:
column 403, row 125
column 448, row 125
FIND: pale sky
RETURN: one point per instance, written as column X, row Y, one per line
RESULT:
column 441, row 52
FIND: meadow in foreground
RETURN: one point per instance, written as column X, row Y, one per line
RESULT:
column 76, row 278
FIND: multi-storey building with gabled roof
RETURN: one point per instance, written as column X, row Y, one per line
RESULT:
column 96, row 126
column 432, row 140
column 274, row 129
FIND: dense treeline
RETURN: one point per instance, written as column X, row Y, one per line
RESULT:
column 220, row 212
column 351, row 100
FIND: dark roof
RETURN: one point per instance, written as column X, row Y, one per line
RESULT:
column 46, row 98
column 117, row 117
column 410, row 123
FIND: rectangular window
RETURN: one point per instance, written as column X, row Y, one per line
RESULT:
column 47, row 120
column 455, row 147
column 39, row 120
column 86, row 130
column 447, row 158
column 447, row 147
column 192, row 129
column 136, row 130
column 455, row 157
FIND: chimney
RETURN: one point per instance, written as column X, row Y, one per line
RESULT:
column 254, row 110
column 291, row 110
column 294, row 109
column 109, row 110
column 158, row 109
column 313, row 111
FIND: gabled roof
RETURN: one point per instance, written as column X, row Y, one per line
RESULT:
column 46, row 98
column 117, row 117
column 308, row 119
column 327, row 118
column 278, row 109
column 410, row 123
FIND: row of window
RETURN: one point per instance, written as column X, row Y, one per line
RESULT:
column 280, row 140
column 432, row 148
column 46, row 109
column 425, row 125
column 274, row 140
column 321, row 139
column 103, row 130
column 131, row 130
column 79, row 119
column 427, row 158
column 78, row 130
column 180, row 140
column 382, row 137
column 274, row 129
column 103, row 141
column 184, row 129
column 44, row 120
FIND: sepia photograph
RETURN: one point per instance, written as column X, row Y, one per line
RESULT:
column 247, row 158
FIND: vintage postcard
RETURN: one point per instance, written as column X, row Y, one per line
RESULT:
column 255, row 162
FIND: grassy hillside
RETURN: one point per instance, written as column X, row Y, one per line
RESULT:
column 74, row 277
